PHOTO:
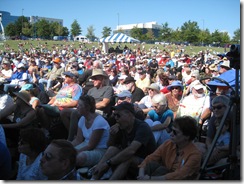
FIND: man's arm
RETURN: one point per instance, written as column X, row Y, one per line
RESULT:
column 126, row 154
column 103, row 103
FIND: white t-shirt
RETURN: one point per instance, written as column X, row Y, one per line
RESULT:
column 99, row 123
column 192, row 106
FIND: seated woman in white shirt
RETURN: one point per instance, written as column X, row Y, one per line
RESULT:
column 92, row 134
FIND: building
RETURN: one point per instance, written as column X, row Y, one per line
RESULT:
column 34, row 19
column 144, row 26
column 7, row 18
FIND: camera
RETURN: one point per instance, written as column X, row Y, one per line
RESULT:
column 234, row 56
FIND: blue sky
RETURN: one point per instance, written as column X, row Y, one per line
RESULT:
column 222, row 15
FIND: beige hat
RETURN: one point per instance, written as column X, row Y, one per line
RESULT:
column 155, row 87
column 226, row 63
column 24, row 96
column 213, row 67
column 96, row 72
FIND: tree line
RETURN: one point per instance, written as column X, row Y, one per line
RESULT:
column 189, row 32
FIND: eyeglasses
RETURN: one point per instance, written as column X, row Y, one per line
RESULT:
column 150, row 89
column 96, row 78
column 122, row 98
column 21, row 142
column 218, row 107
column 117, row 115
column 172, row 88
column 47, row 156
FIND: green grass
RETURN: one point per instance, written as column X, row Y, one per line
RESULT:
column 13, row 44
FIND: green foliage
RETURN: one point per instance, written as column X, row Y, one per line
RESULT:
column 90, row 33
column 75, row 29
column 106, row 31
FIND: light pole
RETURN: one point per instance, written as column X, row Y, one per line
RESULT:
column 202, row 30
column 118, row 21
column 22, row 23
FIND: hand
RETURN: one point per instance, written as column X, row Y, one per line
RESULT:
column 100, row 169
column 114, row 129
column 143, row 177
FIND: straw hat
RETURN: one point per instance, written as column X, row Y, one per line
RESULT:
column 24, row 96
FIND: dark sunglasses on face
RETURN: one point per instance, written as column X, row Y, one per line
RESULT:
column 21, row 142
column 218, row 107
column 172, row 88
column 174, row 132
column 122, row 98
column 47, row 156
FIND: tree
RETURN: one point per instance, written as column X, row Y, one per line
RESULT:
column 90, row 33
column 225, row 38
column 11, row 30
column 190, row 31
column 106, row 32
column 43, row 29
column 216, row 37
column 149, row 35
column 237, row 36
column 75, row 29
column 136, row 33
column 165, row 32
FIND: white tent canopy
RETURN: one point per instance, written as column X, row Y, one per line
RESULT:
column 119, row 38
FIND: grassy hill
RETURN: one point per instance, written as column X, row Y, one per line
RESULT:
column 38, row 44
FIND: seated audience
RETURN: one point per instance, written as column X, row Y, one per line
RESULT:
column 59, row 161
column 137, row 93
column 66, row 100
column 92, row 135
column 160, row 118
column 174, row 96
column 32, row 143
column 221, row 148
column 177, row 158
column 146, row 102
column 128, row 145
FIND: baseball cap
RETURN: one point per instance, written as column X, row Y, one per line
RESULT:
column 70, row 74
column 125, row 106
column 124, row 93
column 129, row 79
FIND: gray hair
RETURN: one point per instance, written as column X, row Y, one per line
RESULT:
column 98, row 64
column 159, row 99
column 221, row 99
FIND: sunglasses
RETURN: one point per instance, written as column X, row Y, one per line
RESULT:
column 121, row 98
column 218, row 107
column 174, row 88
column 47, row 156
column 174, row 132
column 21, row 142
column 117, row 115
column 151, row 89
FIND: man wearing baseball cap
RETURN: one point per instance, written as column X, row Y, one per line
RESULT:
column 51, row 76
column 129, row 142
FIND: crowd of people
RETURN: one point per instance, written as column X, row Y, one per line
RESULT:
column 78, row 114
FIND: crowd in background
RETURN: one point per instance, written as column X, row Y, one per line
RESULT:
column 112, row 115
